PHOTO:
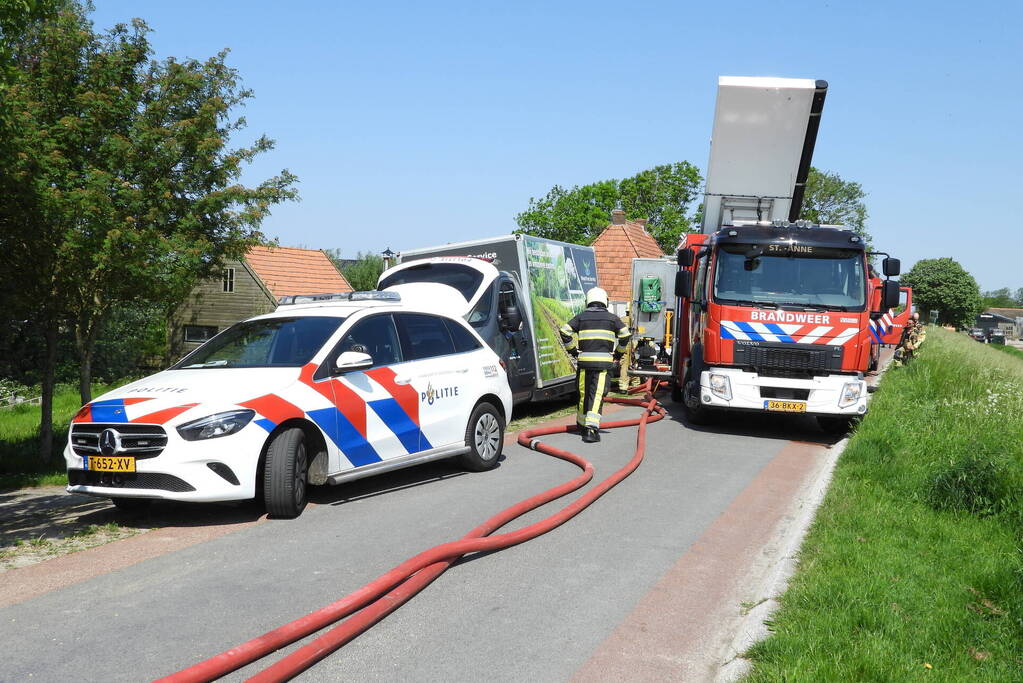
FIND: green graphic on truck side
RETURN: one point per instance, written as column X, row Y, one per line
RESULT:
column 559, row 276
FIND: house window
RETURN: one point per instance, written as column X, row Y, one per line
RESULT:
column 199, row 334
column 229, row 279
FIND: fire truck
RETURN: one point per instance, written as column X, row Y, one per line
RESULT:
column 771, row 313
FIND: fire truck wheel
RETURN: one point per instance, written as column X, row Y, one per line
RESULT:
column 834, row 425
column 696, row 413
column 484, row 435
column 134, row 505
column 286, row 474
column 676, row 393
column 699, row 415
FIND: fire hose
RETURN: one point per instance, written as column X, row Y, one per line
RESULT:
column 389, row 591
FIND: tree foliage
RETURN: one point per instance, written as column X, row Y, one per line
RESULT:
column 118, row 180
column 1001, row 298
column 662, row 195
column 942, row 285
column 831, row 200
column 363, row 274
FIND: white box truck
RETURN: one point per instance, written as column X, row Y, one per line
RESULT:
column 517, row 291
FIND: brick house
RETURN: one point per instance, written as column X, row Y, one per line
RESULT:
column 615, row 247
column 247, row 288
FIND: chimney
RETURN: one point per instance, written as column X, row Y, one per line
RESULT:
column 641, row 222
column 618, row 217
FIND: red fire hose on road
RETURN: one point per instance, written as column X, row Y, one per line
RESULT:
column 383, row 595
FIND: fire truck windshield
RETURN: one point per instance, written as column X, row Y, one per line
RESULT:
column 779, row 275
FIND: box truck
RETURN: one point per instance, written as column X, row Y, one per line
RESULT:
column 516, row 291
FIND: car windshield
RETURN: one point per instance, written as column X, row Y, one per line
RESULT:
column 266, row 343
column 463, row 278
column 826, row 278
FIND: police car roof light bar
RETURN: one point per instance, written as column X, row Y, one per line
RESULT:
column 369, row 295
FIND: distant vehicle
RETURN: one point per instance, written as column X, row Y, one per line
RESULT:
column 996, row 336
column 327, row 389
column 515, row 291
column 978, row 334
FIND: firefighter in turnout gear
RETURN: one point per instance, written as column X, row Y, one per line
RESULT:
column 595, row 336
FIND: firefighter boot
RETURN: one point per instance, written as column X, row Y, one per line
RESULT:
column 591, row 435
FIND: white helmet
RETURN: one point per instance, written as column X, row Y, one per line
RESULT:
column 596, row 296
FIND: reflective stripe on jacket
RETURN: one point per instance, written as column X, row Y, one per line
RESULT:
column 598, row 333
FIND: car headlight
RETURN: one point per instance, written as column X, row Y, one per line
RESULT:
column 214, row 426
column 851, row 393
column 721, row 386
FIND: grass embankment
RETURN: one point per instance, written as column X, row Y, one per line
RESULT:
column 1011, row 350
column 913, row 569
column 19, row 440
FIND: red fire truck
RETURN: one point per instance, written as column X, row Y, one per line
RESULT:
column 773, row 313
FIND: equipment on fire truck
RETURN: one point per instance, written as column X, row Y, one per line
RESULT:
column 650, row 295
column 652, row 282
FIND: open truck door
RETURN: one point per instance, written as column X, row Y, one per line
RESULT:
column 898, row 317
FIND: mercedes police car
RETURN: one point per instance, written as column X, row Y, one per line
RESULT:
column 324, row 390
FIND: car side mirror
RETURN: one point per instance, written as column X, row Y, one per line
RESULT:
column 891, row 267
column 353, row 360
column 511, row 319
column 889, row 294
column 685, row 257
column 683, row 284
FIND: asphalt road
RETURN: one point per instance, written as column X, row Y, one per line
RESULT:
column 536, row 612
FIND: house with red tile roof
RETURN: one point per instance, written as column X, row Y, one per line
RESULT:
column 622, row 241
column 249, row 287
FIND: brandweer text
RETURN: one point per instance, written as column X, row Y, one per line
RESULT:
column 786, row 317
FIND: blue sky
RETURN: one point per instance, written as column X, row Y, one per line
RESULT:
column 414, row 124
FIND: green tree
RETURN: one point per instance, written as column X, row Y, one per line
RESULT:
column 999, row 298
column 363, row 274
column 1018, row 299
column 118, row 181
column 942, row 285
column 831, row 200
column 662, row 195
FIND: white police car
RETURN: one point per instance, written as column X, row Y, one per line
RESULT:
column 324, row 390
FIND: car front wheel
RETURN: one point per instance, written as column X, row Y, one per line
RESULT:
column 286, row 475
column 484, row 435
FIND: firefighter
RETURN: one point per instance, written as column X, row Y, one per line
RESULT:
column 597, row 338
column 912, row 336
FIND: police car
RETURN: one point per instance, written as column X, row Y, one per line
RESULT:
column 324, row 390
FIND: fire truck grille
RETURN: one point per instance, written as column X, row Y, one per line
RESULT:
column 129, row 480
column 789, row 360
column 137, row 440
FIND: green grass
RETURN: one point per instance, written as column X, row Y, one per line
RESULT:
column 1011, row 350
column 20, row 466
column 913, row 569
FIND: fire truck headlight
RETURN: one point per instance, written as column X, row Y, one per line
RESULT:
column 721, row 386
column 214, row 426
column 851, row 393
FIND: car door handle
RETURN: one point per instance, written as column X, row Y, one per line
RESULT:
column 402, row 380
